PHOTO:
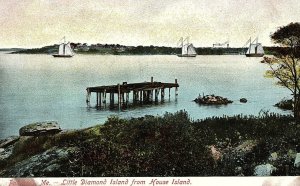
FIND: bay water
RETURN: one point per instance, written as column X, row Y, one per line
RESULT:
column 43, row 88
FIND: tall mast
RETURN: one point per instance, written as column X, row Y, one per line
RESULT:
column 256, row 45
column 64, row 45
column 250, row 46
column 181, row 42
column 187, row 43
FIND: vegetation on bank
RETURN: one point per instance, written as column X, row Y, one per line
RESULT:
column 171, row 145
column 141, row 50
column 285, row 66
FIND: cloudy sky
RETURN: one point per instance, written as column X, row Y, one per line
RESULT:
column 34, row 23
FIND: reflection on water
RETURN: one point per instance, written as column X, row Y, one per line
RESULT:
column 40, row 87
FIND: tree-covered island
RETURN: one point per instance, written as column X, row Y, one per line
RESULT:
column 116, row 49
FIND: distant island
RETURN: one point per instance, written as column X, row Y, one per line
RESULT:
column 11, row 49
column 117, row 49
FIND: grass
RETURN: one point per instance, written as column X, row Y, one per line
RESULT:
column 173, row 145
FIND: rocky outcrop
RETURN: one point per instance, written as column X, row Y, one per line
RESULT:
column 40, row 128
column 52, row 162
column 5, row 153
column 8, row 141
column 6, row 147
column 285, row 104
column 212, row 100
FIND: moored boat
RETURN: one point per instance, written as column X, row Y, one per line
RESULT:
column 64, row 50
column 187, row 49
column 255, row 49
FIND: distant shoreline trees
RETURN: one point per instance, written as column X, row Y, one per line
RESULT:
column 116, row 49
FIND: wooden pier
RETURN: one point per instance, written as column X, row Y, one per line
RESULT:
column 142, row 93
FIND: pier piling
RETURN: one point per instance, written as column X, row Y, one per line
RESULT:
column 143, row 93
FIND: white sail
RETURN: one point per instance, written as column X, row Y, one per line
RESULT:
column 191, row 49
column 61, row 49
column 64, row 50
column 187, row 49
column 184, row 50
column 255, row 49
column 68, row 49
column 260, row 49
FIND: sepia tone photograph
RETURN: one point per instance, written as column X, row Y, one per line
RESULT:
column 152, row 88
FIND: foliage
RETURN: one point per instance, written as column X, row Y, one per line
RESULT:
column 288, row 35
column 285, row 66
column 171, row 145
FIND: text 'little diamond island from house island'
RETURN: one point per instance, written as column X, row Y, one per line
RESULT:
column 128, row 182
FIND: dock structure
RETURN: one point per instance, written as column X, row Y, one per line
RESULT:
column 142, row 93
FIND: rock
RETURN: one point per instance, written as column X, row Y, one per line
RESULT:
column 8, row 141
column 243, row 100
column 49, row 163
column 264, row 170
column 212, row 100
column 285, row 104
column 6, row 153
column 40, row 128
column 297, row 160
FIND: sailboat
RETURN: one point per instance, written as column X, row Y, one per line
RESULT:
column 64, row 50
column 255, row 49
column 187, row 49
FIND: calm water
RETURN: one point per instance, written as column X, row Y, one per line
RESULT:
column 41, row 88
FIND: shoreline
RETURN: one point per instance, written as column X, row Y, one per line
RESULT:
column 113, row 49
column 151, row 146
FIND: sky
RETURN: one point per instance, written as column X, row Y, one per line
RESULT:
column 36, row 23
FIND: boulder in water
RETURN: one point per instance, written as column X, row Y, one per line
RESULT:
column 243, row 100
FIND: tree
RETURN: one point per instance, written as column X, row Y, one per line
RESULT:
column 285, row 65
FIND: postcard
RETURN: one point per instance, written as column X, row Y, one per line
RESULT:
column 150, row 92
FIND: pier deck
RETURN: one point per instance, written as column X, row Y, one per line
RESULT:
column 142, row 93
